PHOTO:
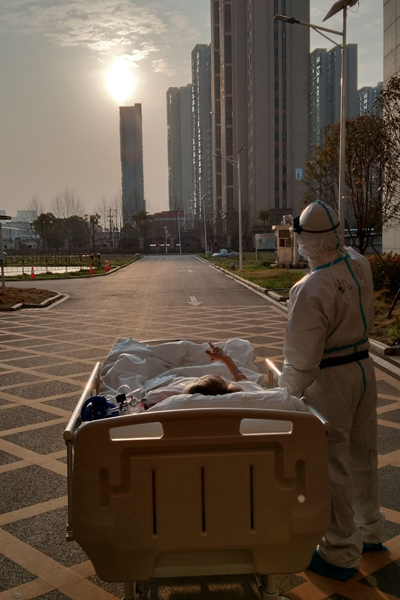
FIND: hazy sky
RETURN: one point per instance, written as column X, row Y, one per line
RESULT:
column 59, row 120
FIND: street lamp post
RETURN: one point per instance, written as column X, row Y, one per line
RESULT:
column 204, row 219
column 236, row 164
column 166, row 239
column 3, row 283
column 340, row 5
column 179, row 232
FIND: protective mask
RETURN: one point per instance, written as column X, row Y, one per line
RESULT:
column 302, row 253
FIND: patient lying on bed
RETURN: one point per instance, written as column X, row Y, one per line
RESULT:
column 176, row 375
column 214, row 385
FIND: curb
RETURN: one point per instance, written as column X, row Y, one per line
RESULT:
column 382, row 349
column 270, row 293
column 22, row 305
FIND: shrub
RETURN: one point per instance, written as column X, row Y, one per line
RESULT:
column 386, row 273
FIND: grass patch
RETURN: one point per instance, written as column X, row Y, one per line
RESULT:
column 386, row 330
column 261, row 273
column 12, row 296
column 116, row 260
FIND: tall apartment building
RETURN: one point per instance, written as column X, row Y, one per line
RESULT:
column 325, row 89
column 201, row 130
column 260, row 92
column 130, row 128
column 180, row 163
column 391, row 67
column 366, row 97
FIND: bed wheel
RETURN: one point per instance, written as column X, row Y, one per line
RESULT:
column 129, row 593
column 268, row 588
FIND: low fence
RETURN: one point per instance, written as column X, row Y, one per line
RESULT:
column 49, row 260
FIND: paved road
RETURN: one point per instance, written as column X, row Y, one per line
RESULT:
column 155, row 281
column 45, row 358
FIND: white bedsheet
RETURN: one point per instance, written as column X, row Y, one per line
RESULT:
column 168, row 365
column 161, row 372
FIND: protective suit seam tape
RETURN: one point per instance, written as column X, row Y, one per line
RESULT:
column 331, row 264
column 364, row 383
column 338, row 348
column 359, row 295
column 331, row 220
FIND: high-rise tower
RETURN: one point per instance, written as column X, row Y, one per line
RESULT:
column 201, row 129
column 325, row 89
column 130, row 127
column 260, row 76
column 180, row 163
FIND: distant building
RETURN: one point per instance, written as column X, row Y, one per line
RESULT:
column 130, row 127
column 18, row 233
column 326, row 90
column 366, row 97
column 202, row 130
column 391, row 67
column 180, row 161
column 260, row 93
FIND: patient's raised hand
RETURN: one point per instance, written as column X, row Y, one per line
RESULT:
column 217, row 354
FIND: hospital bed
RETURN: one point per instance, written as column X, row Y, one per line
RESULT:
column 207, row 491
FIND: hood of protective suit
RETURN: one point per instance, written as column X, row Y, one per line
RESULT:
column 319, row 239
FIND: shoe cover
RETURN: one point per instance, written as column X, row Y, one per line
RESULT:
column 374, row 547
column 320, row 566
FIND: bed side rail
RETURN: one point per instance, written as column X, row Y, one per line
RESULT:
column 90, row 390
column 69, row 433
column 273, row 371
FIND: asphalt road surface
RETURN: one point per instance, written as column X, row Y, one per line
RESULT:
column 168, row 297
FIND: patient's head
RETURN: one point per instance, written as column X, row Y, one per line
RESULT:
column 211, row 385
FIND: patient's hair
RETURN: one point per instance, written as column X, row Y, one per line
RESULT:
column 211, row 385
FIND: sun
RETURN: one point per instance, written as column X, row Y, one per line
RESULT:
column 120, row 80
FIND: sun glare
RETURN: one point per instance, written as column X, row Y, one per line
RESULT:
column 120, row 80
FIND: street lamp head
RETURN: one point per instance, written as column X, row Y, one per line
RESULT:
column 338, row 6
column 286, row 19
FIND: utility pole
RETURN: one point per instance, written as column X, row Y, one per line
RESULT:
column 205, row 227
column 110, row 216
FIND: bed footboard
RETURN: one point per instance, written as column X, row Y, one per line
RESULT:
column 200, row 491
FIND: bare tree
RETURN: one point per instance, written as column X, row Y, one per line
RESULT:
column 68, row 204
column 371, row 175
column 102, row 209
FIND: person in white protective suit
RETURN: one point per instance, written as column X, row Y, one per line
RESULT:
column 326, row 359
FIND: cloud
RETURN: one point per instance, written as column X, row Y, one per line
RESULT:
column 162, row 66
column 134, row 28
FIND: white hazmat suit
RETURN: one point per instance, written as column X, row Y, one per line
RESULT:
column 330, row 317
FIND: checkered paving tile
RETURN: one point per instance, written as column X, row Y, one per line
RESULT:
column 45, row 358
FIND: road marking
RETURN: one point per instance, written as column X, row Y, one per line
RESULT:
column 185, row 271
column 194, row 301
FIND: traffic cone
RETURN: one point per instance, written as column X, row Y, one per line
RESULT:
column 107, row 266
column 32, row 273
column 91, row 269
